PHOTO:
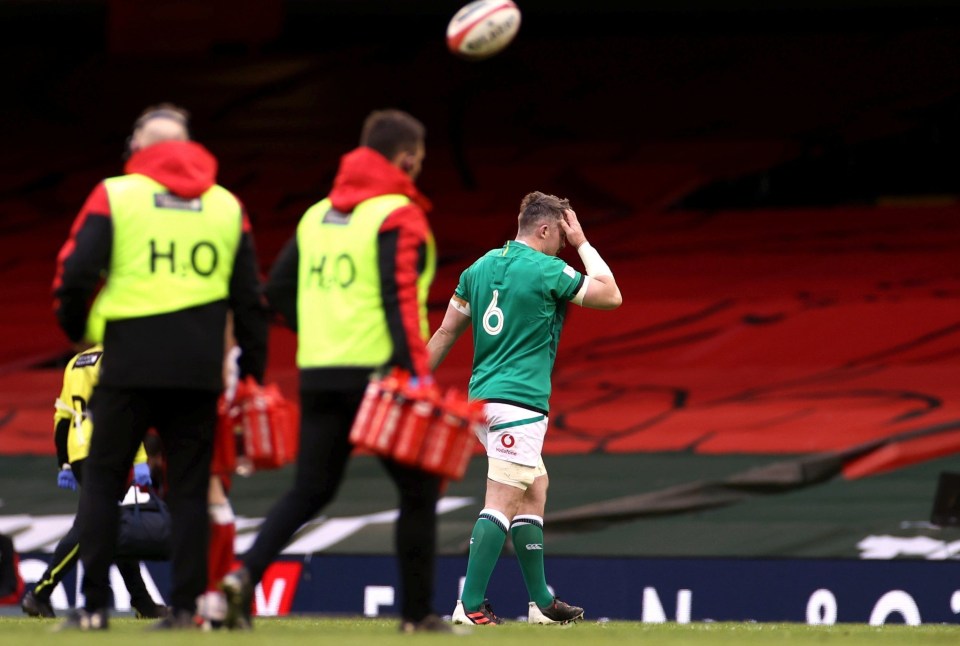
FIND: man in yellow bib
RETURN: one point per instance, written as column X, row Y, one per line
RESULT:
column 72, row 431
column 353, row 282
column 175, row 255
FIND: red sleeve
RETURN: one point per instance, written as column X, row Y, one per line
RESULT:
column 245, row 225
column 80, row 264
column 97, row 204
column 409, row 228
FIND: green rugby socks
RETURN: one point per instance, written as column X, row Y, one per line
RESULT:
column 486, row 543
column 527, row 534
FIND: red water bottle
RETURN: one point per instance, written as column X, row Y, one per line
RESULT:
column 463, row 442
column 383, row 441
column 362, row 420
column 376, row 435
column 415, row 424
column 434, row 450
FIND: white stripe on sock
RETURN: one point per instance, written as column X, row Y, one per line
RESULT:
column 498, row 515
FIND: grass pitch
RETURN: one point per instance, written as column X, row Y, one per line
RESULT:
column 311, row 631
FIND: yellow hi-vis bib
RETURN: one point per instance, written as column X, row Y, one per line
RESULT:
column 79, row 379
column 340, row 317
column 169, row 253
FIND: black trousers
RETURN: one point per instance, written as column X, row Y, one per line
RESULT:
column 325, row 421
column 67, row 553
column 185, row 421
column 8, row 572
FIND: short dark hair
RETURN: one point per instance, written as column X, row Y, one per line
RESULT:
column 165, row 111
column 392, row 131
column 537, row 207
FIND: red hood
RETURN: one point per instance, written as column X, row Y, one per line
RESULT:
column 185, row 167
column 365, row 173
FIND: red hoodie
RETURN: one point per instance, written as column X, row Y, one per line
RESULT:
column 365, row 173
column 185, row 167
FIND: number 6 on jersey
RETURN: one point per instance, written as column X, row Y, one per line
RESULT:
column 493, row 312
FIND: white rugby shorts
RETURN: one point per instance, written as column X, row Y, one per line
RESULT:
column 513, row 434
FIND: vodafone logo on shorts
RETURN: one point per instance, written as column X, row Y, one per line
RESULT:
column 505, row 445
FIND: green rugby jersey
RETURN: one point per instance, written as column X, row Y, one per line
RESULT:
column 518, row 299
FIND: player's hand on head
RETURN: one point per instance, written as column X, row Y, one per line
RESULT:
column 66, row 479
column 572, row 229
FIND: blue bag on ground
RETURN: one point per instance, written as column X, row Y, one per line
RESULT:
column 144, row 530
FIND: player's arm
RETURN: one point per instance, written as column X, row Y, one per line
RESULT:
column 599, row 289
column 455, row 322
column 599, row 293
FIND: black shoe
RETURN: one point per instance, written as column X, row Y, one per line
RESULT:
column 85, row 620
column 151, row 610
column 36, row 606
column 239, row 590
column 557, row 612
column 429, row 624
column 176, row 620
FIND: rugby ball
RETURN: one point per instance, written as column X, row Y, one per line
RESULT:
column 483, row 28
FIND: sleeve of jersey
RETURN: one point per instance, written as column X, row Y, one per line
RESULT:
column 62, row 421
column 562, row 281
column 81, row 263
column 65, row 399
column 61, row 435
column 402, row 253
column 460, row 300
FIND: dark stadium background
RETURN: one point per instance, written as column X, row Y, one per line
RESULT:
column 776, row 189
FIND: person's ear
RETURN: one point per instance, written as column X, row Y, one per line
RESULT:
column 407, row 162
column 130, row 147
